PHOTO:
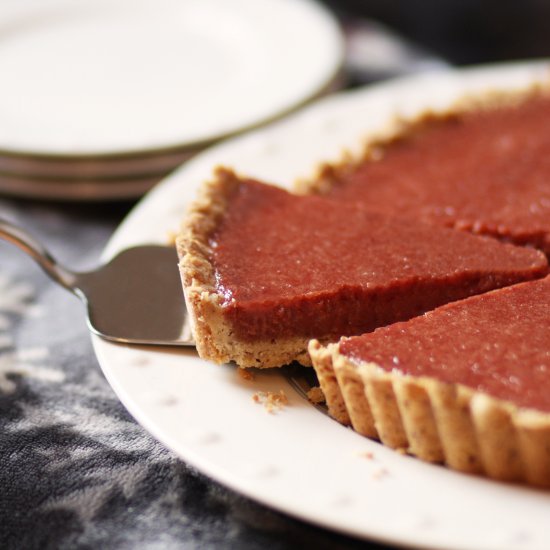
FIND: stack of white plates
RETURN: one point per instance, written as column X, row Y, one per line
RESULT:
column 101, row 98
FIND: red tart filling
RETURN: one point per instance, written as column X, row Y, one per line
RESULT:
column 291, row 265
column 485, row 171
column 497, row 343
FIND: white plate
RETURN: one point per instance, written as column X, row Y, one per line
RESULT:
column 300, row 461
column 90, row 77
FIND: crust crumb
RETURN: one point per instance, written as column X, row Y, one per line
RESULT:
column 246, row 374
column 367, row 454
column 316, row 395
column 171, row 237
column 271, row 401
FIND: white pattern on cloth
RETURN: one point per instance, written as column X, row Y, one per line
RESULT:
column 15, row 302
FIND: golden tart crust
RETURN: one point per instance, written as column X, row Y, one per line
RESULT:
column 437, row 421
column 467, row 430
column 264, row 271
column 214, row 336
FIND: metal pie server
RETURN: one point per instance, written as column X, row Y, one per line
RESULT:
column 136, row 298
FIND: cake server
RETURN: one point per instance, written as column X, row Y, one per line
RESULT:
column 136, row 298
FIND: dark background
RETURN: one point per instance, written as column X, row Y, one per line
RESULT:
column 462, row 31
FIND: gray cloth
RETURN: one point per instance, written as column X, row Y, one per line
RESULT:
column 76, row 471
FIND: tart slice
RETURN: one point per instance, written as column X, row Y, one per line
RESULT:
column 484, row 167
column 264, row 271
column 467, row 384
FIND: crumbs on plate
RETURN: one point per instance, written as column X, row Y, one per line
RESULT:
column 369, row 455
column 315, row 395
column 246, row 374
column 272, row 401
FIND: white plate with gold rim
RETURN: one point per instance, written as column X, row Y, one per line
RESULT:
column 111, row 77
column 298, row 460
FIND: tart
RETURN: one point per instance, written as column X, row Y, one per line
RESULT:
column 264, row 271
column 482, row 167
column 466, row 384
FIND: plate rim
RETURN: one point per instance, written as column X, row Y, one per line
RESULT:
column 168, row 187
